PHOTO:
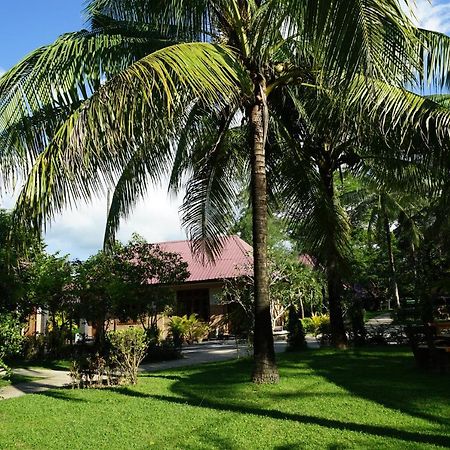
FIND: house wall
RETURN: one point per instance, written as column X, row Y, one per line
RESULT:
column 37, row 323
column 217, row 313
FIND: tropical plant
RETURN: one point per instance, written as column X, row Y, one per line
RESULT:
column 386, row 208
column 188, row 329
column 100, row 102
column 128, row 349
column 10, row 338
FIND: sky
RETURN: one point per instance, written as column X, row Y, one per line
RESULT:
column 28, row 24
column 24, row 26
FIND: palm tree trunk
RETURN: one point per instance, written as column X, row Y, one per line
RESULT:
column 334, row 281
column 265, row 369
column 394, row 286
column 337, row 328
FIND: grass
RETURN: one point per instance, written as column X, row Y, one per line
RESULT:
column 54, row 364
column 15, row 379
column 368, row 399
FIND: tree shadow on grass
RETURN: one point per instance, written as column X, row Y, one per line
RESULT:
column 219, row 388
column 128, row 391
column 62, row 394
column 409, row 436
column 389, row 378
column 162, row 376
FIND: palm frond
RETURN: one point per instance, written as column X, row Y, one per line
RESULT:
column 131, row 111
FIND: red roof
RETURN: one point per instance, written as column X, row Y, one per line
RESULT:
column 235, row 259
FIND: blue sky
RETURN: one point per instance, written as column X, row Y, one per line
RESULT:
column 28, row 24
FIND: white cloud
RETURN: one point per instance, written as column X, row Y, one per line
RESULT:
column 434, row 15
column 79, row 232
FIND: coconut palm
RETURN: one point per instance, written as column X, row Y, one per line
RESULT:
column 319, row 142
column 386, row 208
column 103, row 108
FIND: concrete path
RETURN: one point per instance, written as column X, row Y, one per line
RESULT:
column 206, row 352
column 382, row 319
column 47, row 379
column 192, row 355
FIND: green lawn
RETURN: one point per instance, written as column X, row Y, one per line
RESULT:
column 371, row 399
column 15, row 379
column 55, row 364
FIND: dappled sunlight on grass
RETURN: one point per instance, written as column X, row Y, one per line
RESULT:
column 326, row 399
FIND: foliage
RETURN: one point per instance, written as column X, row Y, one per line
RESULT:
column 144, row 276
column 189, row 329
column 132, row 281
column 51, row 290
column 91, row 371
column 118, row 365
column 10, row 337
column 18, row 250
column 317, row 324
column 291, row 283
column 34, row 347
column 128, row 349
column 296, row 336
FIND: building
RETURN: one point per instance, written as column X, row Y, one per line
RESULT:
column 200, row 293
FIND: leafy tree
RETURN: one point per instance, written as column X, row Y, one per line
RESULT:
column 131, row 281
column 51, row 290
column 10, row 337
column 215, row 58
column 383, row 209
column 144, row 277
column 95, row 285
column 18, row 250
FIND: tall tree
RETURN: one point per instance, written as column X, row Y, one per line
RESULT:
column 99, row 108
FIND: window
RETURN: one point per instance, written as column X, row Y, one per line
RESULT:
column 193, row 301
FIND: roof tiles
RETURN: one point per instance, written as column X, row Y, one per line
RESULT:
column 235, row 259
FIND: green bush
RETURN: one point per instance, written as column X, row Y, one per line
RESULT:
column 10, row 337
column 128, row 349
column 34, row 347
column 187, row 329
column 296, row 336
column 317, row 324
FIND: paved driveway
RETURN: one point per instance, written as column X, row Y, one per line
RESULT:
column 192, row 355
column 206, row 352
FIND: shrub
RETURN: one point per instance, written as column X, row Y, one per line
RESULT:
column 91, row 371
column 296, row 337
column 308, row 325
column 189, row 329
column 177, row 330
column 10, row 337
column 34, row 347
column 317, row 324
column 128, row 349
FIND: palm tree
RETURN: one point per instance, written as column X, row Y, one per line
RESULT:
column 103, row 108
column 319, row 143
column 387, row 207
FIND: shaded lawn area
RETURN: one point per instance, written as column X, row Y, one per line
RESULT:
column 372, row 398
column 15, row 379
column 54, row 364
